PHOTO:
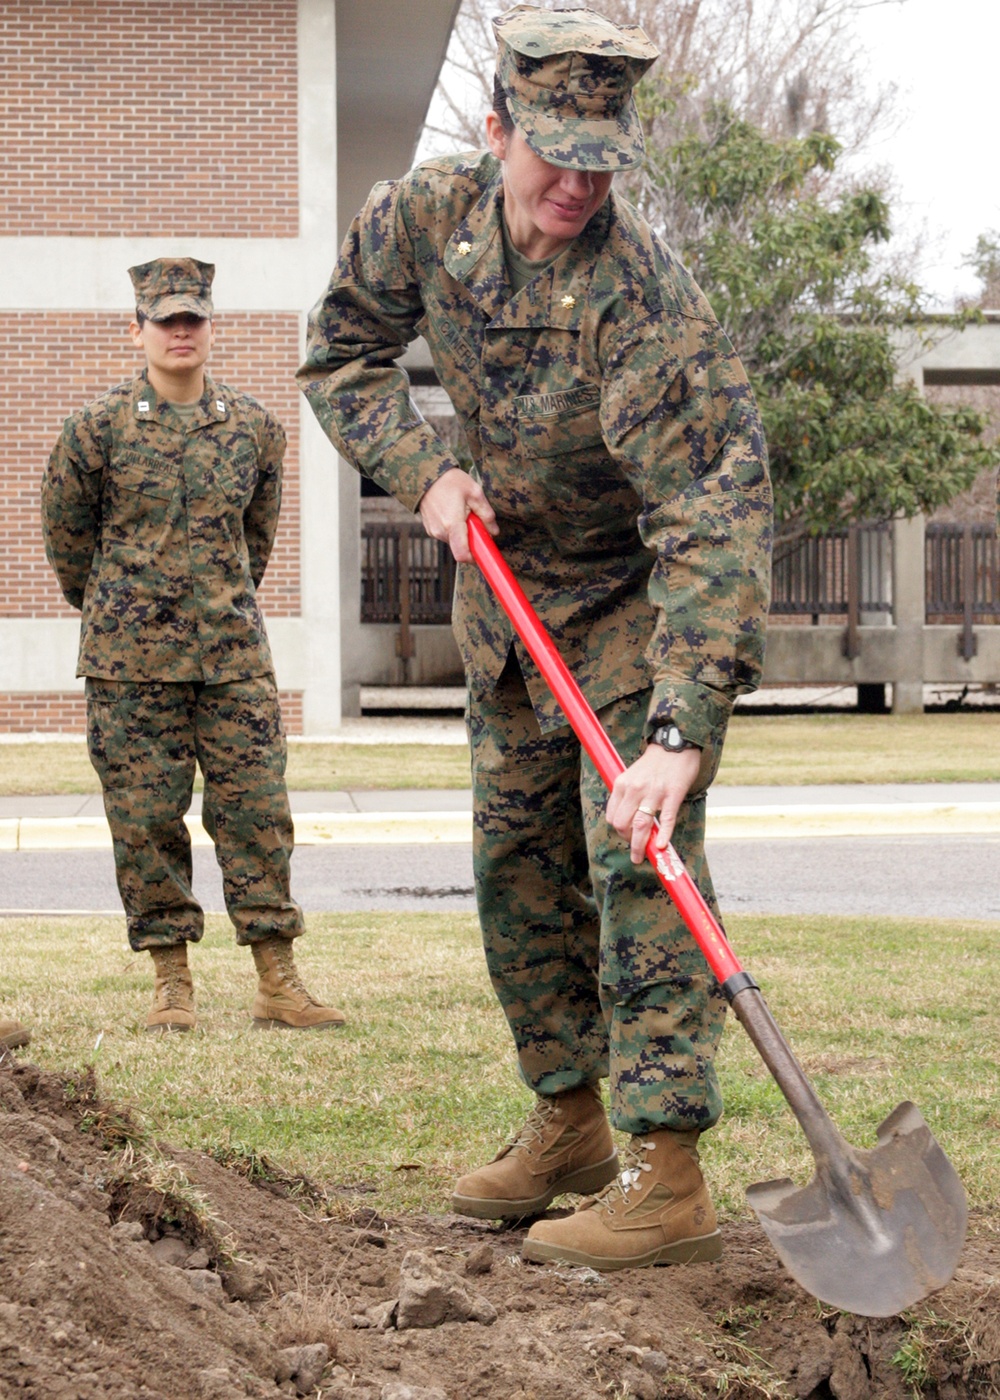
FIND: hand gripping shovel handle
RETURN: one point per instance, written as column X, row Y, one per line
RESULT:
column 704, row 927
column 750, row 1008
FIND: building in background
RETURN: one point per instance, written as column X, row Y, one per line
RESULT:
column 245, row 135
column 248, row 135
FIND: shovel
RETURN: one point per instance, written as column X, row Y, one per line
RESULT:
column 875, row 1230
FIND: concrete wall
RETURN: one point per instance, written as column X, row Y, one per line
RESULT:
column 938, row 353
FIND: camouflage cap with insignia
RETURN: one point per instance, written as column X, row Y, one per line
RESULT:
column 172, row 286
column 568, row 77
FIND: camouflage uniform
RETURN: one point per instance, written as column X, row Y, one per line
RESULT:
column 159, row 526
column 615, row 434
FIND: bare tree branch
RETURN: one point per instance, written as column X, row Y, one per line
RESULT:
column 789, row 66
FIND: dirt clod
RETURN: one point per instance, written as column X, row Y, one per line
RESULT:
column 197, row 1281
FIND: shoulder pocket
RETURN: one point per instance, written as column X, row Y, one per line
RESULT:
column 676, row 397
column 640, row 379
column 379, row 233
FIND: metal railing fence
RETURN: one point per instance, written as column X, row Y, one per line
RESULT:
column 963, row 568
column 818, row 575
column 392, row 551
column 408, row 579
column 962, row 564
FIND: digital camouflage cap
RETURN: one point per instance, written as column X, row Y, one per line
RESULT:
column 173, row 286
column 568, row 77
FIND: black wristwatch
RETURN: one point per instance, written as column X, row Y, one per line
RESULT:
column 669, row 737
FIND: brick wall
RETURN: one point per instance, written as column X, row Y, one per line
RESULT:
column 54, row 362
column 126, row 118
column 57, row 712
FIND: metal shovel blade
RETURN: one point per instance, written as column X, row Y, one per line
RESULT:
column 874, row 1231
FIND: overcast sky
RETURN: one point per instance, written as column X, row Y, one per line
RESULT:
column 943, row 55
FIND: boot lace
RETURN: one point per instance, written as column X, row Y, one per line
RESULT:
column 285, row 960
column 171, row 985
column 629, row 1176
column 534, row 1126
column 174, row 988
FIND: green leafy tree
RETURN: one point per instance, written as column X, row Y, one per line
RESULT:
column 791, row 268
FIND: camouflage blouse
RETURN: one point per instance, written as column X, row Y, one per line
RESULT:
column 609, row 422
column 159, row 527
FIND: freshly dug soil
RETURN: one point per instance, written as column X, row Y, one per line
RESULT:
column 135, row 1270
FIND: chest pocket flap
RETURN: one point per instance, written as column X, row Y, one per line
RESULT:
column 148, row 475
column 560, row 424
column 238, row 477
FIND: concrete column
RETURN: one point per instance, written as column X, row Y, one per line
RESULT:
column 909, row 611
column 355, row 656
column 320, row 563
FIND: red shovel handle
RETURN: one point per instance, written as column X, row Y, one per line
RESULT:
column 704, row 927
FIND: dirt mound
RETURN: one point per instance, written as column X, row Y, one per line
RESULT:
column 128, row 1269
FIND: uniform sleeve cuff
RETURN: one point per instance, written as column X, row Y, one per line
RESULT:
column 700, row 713
column 412, row 465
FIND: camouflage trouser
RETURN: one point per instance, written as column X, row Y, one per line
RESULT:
column 144, row 739
column 594, row 968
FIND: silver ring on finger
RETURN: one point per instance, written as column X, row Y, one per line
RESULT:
column 647, row 811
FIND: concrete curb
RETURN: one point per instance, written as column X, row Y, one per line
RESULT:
column 763, row 823
column 874, row 819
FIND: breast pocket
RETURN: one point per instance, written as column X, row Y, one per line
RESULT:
column 147, row 478
column 560, row 425
column 237, row 478
column 139, row 491
column 569, row 480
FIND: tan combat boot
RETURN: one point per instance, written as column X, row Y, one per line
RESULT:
column 282, row 1002
column 657, row 1212
column 12, row 1034
column 565, row 1145
column 173, row 994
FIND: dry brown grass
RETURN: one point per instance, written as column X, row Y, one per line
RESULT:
column 760, row 749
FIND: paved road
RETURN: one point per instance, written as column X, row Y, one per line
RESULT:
column 948, row 877
column 873, row 868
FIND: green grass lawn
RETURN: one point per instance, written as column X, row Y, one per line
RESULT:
column 421, row 1085
column 760, row 749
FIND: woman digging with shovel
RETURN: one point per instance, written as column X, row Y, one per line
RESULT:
column 618, row 454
